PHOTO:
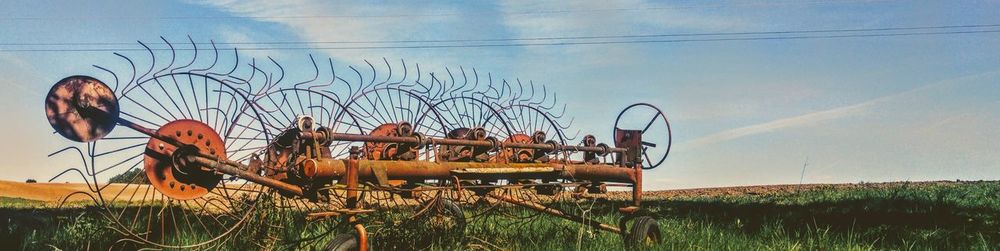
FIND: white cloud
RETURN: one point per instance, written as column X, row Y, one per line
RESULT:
column 817, row 117
column 611, row 21
column 328, row 21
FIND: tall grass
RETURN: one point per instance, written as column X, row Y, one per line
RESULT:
column 904, row 217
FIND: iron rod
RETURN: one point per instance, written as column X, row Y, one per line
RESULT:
column 555, row 212
column 457, row 142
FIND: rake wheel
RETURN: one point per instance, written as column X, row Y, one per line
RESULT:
column 180, row 197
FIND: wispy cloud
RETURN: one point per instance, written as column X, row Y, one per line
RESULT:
column 600, row 23
column 21, row 70
column 320, row 22
column 819, row 116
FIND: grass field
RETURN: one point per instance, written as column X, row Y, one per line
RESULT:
column 897, row 216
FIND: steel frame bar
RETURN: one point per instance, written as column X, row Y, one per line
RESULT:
column 458, row 142
column 555, row 212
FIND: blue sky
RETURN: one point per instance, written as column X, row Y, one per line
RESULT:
column 744, row 112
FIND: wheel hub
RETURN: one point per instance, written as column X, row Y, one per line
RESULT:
column 167, row 167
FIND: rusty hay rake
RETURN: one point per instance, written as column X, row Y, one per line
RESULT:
column 224, row 141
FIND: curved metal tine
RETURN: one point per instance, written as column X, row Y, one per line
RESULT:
column 406, row 73
column 426, row 88
column 333, row 76
column 515, row 98
column 388, row 77
column 315, row 74
column 193, row 57
column 152, row 58
column 432, row 85
column 448, row 86
column 296, row 86
column 505, row 91
column 441, row 87
column 83, row 159
column 115, row 89
column 173, row 57
column 371, row 82
column 416, row 82
column 225, row 117
column 475, row 82
column 451, row 89
column 132, row 78
column 275, row 83
column 77, row 170
column 531, row 96
column 253, row 74
column 549, row 107
column 215, row 59
column 236, row 63
column 489, row 86
column 361, row 81
column 494, row 89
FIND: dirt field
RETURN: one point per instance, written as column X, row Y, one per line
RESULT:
column 55, row 192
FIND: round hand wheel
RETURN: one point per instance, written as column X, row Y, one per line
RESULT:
column 648, row 144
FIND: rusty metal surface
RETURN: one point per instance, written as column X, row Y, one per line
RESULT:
column 466, row 142
column 402, row 170
column 81, row 108
column 632, row 137
column 391, row 150
column 238, row 170
column 554, row 212
column 167, row 168
column 323, row 145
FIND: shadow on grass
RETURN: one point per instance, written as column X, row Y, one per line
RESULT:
column 940, row 217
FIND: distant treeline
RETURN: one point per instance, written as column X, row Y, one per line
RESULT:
column 135, row 176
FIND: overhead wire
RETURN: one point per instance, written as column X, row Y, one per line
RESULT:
column 790, row 35
column 807, row 31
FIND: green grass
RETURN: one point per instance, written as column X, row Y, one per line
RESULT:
column 963, row 216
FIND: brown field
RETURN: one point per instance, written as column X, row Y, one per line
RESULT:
column 55, row 192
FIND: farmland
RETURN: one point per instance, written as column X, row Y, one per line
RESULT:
column 920, row 215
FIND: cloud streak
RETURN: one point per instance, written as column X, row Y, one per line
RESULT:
column 819, row 116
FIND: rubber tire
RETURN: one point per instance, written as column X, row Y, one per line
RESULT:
column 342, row 242
column 451, row 208
column 643, row 227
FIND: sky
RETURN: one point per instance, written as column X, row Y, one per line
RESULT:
column 743, row 112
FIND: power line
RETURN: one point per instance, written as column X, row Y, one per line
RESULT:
column 967, row 26
column 536, row 44
column 440, row 14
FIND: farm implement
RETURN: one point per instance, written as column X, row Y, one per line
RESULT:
column 224, row 142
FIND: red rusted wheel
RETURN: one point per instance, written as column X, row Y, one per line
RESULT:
column 165, row 163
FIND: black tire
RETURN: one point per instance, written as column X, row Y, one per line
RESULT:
column 645, row 232
column 451, row 209
column 342, row 242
